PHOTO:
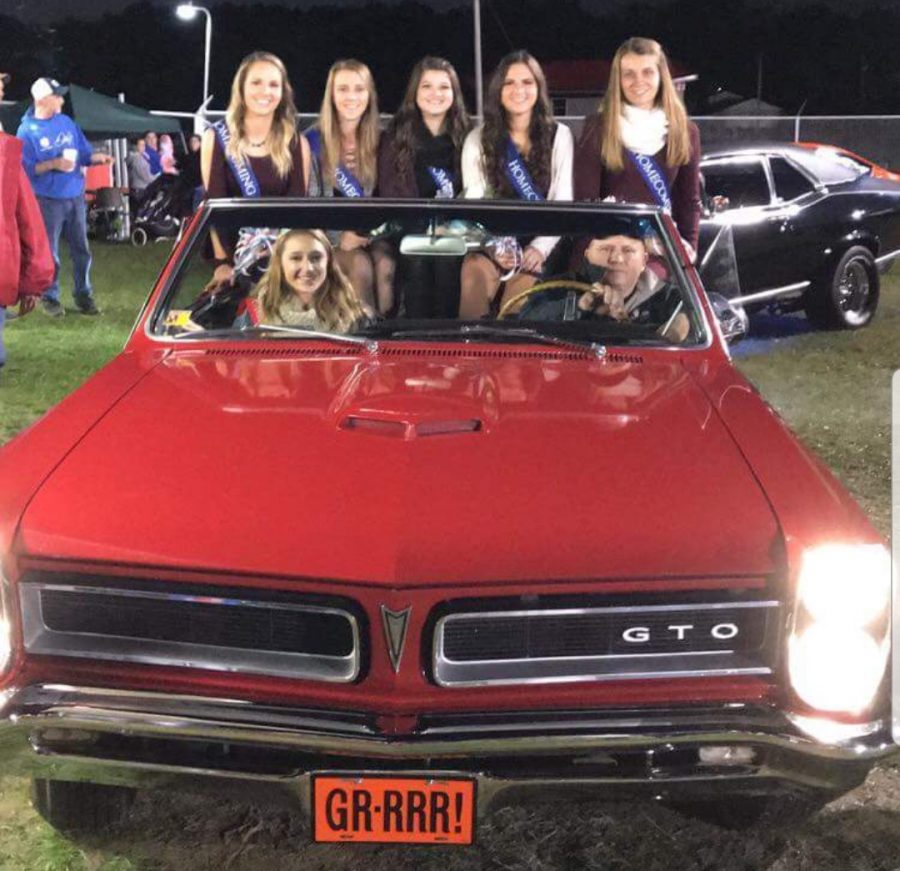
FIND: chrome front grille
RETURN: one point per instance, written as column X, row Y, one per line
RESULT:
column 568, row 644
column 237, row 633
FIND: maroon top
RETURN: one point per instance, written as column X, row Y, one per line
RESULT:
column 222, row 182
column 592, row 181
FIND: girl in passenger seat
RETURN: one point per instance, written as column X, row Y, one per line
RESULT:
column 304, row 287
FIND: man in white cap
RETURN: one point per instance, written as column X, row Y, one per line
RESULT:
column 55, row 151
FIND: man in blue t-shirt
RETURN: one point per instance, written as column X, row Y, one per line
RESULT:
column 55, row 151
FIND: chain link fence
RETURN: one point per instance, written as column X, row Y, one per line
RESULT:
column 876, row 137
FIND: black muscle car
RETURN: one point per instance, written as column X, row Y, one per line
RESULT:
column 794, row 228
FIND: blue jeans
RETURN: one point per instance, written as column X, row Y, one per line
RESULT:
column 68, row 217
column 2, row 349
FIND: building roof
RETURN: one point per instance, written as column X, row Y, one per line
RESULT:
column 590, row 76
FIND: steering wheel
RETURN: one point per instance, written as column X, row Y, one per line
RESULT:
column 506, row 308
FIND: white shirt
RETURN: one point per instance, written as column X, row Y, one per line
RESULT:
column 475, row 185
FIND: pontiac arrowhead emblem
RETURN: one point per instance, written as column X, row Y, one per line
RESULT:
column 395, row 624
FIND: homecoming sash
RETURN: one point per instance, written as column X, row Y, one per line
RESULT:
column 243, row 172
column 344, row 180
column 518, row 175
column 444, row 182
column 653, row 177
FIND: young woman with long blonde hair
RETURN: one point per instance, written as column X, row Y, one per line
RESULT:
column 640, row 147
column 344, row 144
column 256, row 149
column 305, row 287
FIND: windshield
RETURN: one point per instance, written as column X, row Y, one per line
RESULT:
column 474, row 272
column 844, row 159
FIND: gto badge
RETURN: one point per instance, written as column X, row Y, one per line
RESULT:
column 395, row 624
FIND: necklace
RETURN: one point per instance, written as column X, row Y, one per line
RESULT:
column 256, row 144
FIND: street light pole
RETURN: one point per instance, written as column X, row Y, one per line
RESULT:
column 188, row 12
column 479, row 84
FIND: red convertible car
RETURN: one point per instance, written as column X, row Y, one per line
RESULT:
column 399, row 569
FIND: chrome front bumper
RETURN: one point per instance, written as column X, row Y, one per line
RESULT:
column 159, row 740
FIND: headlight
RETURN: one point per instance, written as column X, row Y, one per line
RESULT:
column 838, row 649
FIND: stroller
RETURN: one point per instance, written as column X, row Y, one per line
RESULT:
column 164, row 205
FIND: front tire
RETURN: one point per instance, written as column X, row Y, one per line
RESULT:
column 139, row 237
column 847, row 295
column 80, row 808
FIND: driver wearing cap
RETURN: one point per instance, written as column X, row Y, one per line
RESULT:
column 619, row 282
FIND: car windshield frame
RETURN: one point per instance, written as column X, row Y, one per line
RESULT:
column 303, row 213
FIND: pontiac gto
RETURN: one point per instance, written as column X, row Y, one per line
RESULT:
column 402, row 569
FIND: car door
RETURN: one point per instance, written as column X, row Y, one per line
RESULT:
column 805, row 227
column 740, row 193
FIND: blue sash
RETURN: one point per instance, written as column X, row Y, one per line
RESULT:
column 344, row 180
column 444, row 182
column 518, row 175
column 653, row 177
column 243, row 172
column 347, row 183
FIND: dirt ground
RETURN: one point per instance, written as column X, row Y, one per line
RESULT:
column 858, row 832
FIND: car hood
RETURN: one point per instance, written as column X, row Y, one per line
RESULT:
column 404, row 470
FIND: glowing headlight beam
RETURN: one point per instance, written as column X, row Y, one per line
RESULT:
column 843, row 584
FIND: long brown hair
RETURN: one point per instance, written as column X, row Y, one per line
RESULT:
column 336, row 304
column 678, row 140
column 366, row 135
column 495, row 134
column 405, row 123
column 283, row 134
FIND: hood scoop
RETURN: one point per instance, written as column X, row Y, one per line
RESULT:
column 408, row 429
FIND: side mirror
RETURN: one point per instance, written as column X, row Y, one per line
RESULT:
column 732, row 318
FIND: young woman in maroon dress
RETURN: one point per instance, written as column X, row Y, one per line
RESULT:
column 640, row 147
column 256, row 149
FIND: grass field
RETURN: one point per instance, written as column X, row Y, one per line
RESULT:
column 48, row 358
column 834, row 390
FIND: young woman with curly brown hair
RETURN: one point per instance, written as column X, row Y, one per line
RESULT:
column 419, row 156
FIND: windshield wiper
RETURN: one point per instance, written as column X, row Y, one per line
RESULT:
column 493, row 332
column 262, row 329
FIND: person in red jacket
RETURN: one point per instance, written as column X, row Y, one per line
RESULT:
column 26, row 264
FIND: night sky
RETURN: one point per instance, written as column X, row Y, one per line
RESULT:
column 38, row 11
column 827, row 56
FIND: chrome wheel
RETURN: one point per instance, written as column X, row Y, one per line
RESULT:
column 846, row 294
column 854, row 292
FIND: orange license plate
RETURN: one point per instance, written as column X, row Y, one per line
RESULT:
column 393, row 810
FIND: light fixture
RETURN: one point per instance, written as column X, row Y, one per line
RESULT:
column 186, row 11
